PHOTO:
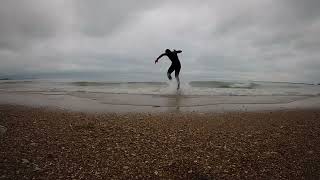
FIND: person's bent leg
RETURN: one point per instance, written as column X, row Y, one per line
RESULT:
column 170, row 70
column 177, row 71
column 169, row 76
column 178, row 81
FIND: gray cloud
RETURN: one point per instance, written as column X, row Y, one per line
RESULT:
column 97, row 18
column 23, row 22
column 256, row 40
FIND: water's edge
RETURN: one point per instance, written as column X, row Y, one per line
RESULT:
column 90, row 102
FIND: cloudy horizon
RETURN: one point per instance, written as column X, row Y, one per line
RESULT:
column 268, row 40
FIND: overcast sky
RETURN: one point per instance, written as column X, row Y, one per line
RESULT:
column 273, row 40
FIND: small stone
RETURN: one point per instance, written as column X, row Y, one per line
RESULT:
column 50, row 155
column 24, row 161
column 2, row 130
column 3, row 177
column 156, row 173
column 33, row 144
column 125, row 167
column 190, row 171
column 310, row 152
column 36, row 168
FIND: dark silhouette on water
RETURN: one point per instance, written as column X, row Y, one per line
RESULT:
column 175, row 65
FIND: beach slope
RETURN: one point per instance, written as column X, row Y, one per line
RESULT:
column 44, row 143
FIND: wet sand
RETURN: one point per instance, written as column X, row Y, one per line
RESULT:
column 44, row 143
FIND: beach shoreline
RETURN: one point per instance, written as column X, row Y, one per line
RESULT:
column 47, row 143
column 124, row 103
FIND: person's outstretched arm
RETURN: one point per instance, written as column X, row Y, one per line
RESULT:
column 159, row 57
column 179, row 51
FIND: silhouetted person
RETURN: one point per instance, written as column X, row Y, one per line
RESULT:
column 175, row 65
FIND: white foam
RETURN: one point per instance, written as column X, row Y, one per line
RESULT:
column 169, row 88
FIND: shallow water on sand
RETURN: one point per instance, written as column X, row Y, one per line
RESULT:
column 159, row 96
column 208, row 88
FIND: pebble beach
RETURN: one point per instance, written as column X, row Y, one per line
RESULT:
column 47, row 143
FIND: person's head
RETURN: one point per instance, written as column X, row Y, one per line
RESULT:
column 168, row 51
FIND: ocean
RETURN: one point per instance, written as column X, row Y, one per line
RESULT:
column 192, row 88
column 114, row 96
